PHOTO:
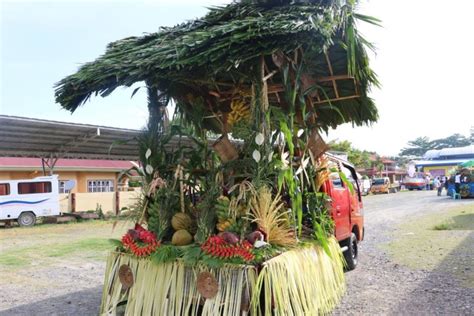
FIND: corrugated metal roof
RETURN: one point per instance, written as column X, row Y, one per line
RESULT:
column 432, row 154
column 447, row 152
column 29, row 137
column 23, row 163
column 442, row 162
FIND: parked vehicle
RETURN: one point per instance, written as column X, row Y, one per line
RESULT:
column 416, row 182
column 346, row 209
column 383, row 185
column 27, row 199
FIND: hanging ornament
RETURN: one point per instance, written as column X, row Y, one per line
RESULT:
column 149, row 169
column 207, row 285
column 148, row 153
column 256, row 155
column 125, row 276
column 259, row 139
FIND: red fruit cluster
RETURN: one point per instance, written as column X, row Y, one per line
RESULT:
column 139, row 234
column 216, row 246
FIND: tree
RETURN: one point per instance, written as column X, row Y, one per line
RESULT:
column 360, row 158
column 421, row 145
column 455, row 140
column 417, row 147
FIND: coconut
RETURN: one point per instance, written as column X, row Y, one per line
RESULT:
column 181, row 221
column 181, row 238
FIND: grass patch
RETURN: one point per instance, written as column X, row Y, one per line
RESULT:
column 443, row 241
column 84, row 246
column 442, row 226
column 10, row 260
column 91, row 248
column 45, row 245
column 461, row 221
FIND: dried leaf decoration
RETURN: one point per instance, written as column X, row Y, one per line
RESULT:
column 268, row 213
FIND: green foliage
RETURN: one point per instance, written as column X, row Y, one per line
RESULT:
column 360, row 158
column 442, row 226
column 134, row 184
column 416, row 147
column 191, row 255
column 318, row 208
column 117, row 244
column 165, row 205
column 206, row 217
column 265, row 253
column 166, row 253
column 347, row 182
column 98, row 211
column 421, row 145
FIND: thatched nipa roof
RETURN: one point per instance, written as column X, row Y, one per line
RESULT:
column 204, row 63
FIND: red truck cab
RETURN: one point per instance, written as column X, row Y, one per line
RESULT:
column 346, row 207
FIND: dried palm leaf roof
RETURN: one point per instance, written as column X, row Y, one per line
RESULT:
column 204, row 63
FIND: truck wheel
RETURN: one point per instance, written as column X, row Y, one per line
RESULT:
column 26, row 219
column 351, row 254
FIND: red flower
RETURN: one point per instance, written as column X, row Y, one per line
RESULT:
column 139, row 234
column 216, row 246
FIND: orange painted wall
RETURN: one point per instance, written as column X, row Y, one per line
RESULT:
column 81, row 177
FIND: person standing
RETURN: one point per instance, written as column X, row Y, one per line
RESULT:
column 457, row 182
column 437, row 185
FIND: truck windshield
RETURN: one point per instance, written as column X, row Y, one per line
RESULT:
column 378, row 181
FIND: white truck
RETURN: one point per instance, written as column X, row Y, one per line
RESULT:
column 27, row 199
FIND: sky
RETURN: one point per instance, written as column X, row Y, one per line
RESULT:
column 423, row 60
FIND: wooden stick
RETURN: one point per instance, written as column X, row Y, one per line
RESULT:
column 334, row 84
column 181, row 188
column 338, row 99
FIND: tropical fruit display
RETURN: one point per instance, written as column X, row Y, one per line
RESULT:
column 239, row 112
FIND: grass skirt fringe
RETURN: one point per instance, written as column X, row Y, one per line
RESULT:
column 303, row 281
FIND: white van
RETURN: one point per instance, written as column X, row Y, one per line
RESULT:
column 25, row 200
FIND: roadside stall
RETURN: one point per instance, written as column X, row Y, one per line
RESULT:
column 241, row 226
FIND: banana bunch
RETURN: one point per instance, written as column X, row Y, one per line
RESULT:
column 240, row 111
column 236, row 226
column 224, row 225
column 224, row 220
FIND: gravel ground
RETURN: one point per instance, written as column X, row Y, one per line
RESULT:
column 378, row 286
column 67, row 283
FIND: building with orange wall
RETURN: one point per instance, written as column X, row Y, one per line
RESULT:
column 90, row 175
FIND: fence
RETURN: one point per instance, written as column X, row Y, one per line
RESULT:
column 108, row 201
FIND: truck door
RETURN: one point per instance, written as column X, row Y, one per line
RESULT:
column 340, row 207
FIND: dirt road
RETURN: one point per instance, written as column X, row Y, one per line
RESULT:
column 58, row 270
column 380, row 285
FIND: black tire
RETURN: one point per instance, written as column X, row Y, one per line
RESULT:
column 26, row 219
column 351, row 253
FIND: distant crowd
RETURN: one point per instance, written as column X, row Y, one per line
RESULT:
column 442, row 182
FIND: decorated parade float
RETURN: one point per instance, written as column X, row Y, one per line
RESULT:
column 233, row 219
